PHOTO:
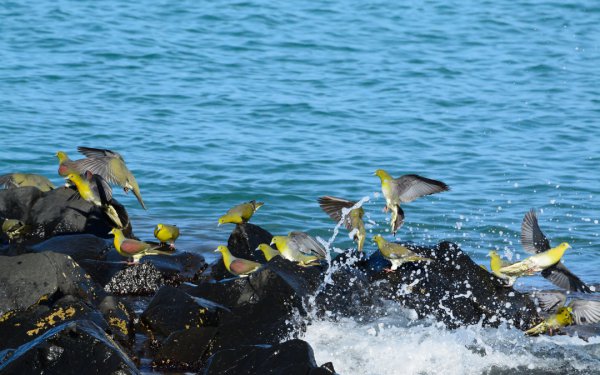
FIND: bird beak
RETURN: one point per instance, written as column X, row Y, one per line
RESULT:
column 215, row 250
column 219, row 224
column 272, row 242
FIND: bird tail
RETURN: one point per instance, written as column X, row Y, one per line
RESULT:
column 537, row 330
column 155, row 251
column 399, row 220
column 138, row 195
column 417, row 258
column 113, row 215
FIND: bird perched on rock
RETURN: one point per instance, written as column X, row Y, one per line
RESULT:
column 135, row 249
column 336, row 209
column 496, row 263
column 299, row 247
column 396, row 253
column 268, row 251
column 534, row 241
column 166, row 233
column 15, row 180
column 111, row 166
column 241, row 213
column 95, row 190
column 237, row 266
column 578, row 311
column 14, row 228
column 405, row 189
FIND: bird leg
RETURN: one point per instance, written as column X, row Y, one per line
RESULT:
column 172, row 245
column 385, row 209
column 388, row 270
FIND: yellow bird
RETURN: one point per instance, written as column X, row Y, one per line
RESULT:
column 405, row 189
column 237, row 266
column 534, row 241
column 578, row 311
column 353, row 219
column 135, row 249
column 536, row 263
column 268, row 251
column 241, row 213
column 396, row 253
column 15, row 180
column 14, row 228
column 166, row 233
column 96, row 191
column 496, row 263
column 299, row 247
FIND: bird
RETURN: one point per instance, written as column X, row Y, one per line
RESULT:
column 94, row 189
column 268, row 251
column 396, row 253
column 166, row 233
column 335, row 208
column 536, row 263
column 15, row 180
column 111, row 166
column 299, row 247
column 67, row 166
column 534, row 241
column 14, row 228
column 578, row 311
column 241, row 213
column 496, row 263
column 135, row 249
column 237, row 266
column 405, row 189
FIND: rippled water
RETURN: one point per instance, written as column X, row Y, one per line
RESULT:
column 216, row 103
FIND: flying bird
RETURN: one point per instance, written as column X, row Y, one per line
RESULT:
column 299, row 247
column 95, row 190
column 405, row 189
column 335, row 208
column 534, row 241
column 577, row 311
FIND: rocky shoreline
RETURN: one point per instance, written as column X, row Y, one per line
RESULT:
column 70, row 305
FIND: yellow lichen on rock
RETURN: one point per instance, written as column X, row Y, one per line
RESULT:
column 51, row 320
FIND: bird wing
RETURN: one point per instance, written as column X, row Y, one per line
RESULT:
column 91, row 152
column 101, row 188
column 550, row 301
column 517, row 269
column 411, row 186
column 243, row 266
column 306, row 244
column 560, row 276
column 585, row 311
column 132, row 247
column 103, row 166
column 333, row 207
column 533, row 239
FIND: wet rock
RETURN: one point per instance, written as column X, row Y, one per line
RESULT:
column 289, row 358
column 79, row 347
column 19, row 327
column 138, row 279
column 179, row 267
column 29, row 278
column 77, row 246
column 120, row 318
column 58, row 211
column 454, row 289
column 185, row 350
column 172, row 310
column 242, row 243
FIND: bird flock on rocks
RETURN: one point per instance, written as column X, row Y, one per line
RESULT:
column 93, row 176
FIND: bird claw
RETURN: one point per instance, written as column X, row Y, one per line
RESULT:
column 388, row 270
column 172, row 246
column 385, row 209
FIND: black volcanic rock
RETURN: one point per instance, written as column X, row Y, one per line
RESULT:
column 29, row 278
column 58, row 211
column 78, row 347
column 293, row 357
column 77, row 246
column 185, row 350
column 171, row 310
column 452, row 288
column 19, row 327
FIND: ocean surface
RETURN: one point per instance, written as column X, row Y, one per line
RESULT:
column 217, row 103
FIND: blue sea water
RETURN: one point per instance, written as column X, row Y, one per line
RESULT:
column 216, row 103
